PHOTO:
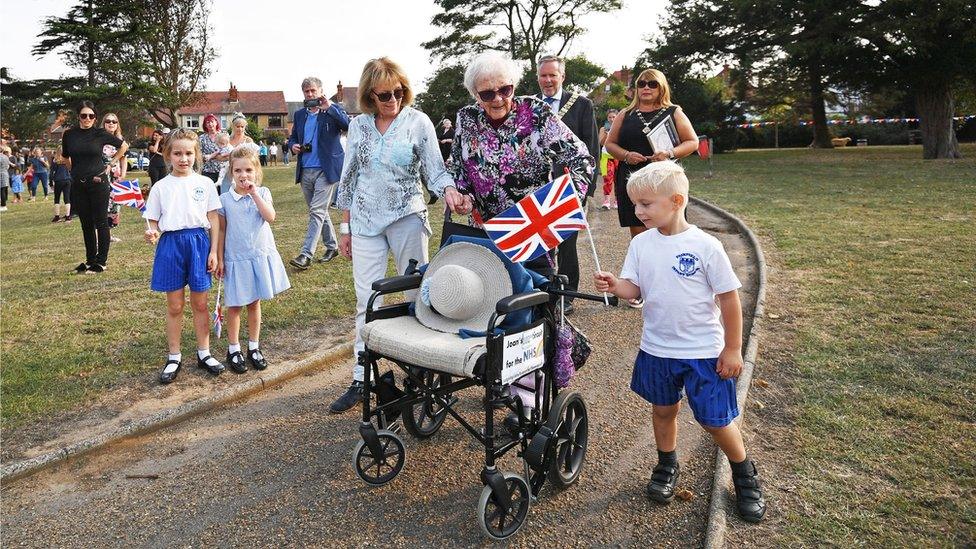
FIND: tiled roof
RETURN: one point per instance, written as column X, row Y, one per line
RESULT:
column 249, row 102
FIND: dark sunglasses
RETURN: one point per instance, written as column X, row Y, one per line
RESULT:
column 504, row 91
column 110, row 121
column 84, row 115
column 653, row 84
column 386, row 96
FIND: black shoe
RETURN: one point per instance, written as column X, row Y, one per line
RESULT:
column 168, row 377
column 301, row 262
column 328, row 256
column 55, row 219
column 352, row 397
column 749, row 498
column 257, row 359
column 82, row 268
column 236, row 362
column 215, row 370
column 663, row 482
column 97, row 268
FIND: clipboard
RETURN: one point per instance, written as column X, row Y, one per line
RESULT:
column 663, row 137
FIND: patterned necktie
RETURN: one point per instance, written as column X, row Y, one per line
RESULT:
column 549, row 100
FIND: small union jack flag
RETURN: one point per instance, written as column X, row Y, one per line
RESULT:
column 538, row 222
column 127, row 193
column 218, row 314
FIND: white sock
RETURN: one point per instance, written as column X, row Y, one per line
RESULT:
column 252, row 345
column 234, row 348
column 171, row 367
column 204, row 353
column 175, row 356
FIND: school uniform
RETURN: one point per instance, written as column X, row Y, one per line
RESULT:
column 180, row 206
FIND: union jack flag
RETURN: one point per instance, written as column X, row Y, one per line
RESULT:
column 127, row 193
column 538, row 222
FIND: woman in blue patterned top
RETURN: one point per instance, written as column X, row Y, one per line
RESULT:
column 391, row 150
column 505, row 146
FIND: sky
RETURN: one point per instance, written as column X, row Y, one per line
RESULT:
column 263, row 45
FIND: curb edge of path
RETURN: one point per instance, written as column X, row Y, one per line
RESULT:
column 718, row 505
column 164, row 418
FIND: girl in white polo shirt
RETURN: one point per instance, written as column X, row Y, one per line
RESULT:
column 182, row 207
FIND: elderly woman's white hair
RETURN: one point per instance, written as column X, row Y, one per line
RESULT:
column 490, row 65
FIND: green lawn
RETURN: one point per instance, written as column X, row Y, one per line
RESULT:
column 881, row 247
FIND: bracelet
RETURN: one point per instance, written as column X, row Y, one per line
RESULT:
column 343, row 228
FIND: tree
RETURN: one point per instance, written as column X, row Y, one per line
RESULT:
column 445, row 93
column 253, row 130
column 524, row 28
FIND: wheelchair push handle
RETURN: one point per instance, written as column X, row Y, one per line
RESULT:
column 525, row 300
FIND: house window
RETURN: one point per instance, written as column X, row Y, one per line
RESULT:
column 191, row 122
column 274, row 121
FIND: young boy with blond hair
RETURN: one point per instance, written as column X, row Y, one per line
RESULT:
column 680, row 270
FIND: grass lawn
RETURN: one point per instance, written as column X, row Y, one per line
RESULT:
column 880, row 247
column 67, row 339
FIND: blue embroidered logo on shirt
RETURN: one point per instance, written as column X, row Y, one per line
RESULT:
column 198, row 194
column 688, row 264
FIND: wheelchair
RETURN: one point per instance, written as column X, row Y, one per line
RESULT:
column 550, row 437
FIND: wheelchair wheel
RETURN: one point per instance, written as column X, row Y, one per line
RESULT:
column 378, row 470
column 425, row 418
column 501, row 521
column 568, row 420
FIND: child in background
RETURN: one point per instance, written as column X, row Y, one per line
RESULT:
column 247, row 257
column 223, row 148
column 183, row 207
column 689, row 343
column 62, row 188
column 16, row 183
column 29, row 181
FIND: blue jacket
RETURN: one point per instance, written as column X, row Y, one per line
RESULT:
column 331, row 123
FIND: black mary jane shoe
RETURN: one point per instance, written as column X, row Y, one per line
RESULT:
column 215, row 370
column 663, row 482
column 236, row 362
column 749, row 500
column 257, row 359
column 168, row 377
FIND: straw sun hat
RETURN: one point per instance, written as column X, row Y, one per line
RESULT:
column 460, row 288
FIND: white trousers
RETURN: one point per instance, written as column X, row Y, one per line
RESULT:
column 407, row 239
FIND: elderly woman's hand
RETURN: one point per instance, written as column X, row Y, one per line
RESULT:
column 457, row 202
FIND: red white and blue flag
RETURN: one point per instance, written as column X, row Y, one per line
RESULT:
column 128, row 193
column 218, row 314
column 538, row 222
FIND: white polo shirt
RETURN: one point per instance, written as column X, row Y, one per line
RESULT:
column 182, row 202
column 679, row 276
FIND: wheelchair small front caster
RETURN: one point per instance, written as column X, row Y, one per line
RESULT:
column 378, row 468
column 501, row 519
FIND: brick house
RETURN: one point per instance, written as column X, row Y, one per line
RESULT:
column 266, row 108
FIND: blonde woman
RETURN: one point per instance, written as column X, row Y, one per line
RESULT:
column 117, row 168
column 238, row 136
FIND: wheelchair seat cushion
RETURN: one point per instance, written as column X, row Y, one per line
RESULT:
column 406, row 340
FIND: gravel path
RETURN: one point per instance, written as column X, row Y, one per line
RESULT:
column 275, row 469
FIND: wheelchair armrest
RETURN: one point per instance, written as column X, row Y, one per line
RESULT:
column 397, row 283
column 525, row 300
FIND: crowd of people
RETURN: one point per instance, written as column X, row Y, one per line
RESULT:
column 210, row 218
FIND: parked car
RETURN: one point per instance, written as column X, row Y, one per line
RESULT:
column 132, row 157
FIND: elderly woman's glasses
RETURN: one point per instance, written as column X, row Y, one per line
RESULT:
column 653, row 84
column 489, row 95
column 386, row 96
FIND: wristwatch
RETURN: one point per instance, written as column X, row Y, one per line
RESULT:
column 671, row 154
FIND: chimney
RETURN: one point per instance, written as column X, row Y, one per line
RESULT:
column 339, row 92
column 232, row 94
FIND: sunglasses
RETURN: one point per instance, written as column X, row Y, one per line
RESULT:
column 653, row 84
column 109, row 121
column 84, row 115
column 489, row 95
column 386, row 96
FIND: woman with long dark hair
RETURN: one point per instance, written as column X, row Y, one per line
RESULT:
column 83, row 146
column 157, row 165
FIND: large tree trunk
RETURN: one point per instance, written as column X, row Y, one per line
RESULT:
column 935, row 108
column 821, row 134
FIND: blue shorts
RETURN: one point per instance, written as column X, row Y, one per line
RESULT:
column 181, row 260
column 661, row 381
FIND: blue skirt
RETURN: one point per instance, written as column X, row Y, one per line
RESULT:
column 248, row 280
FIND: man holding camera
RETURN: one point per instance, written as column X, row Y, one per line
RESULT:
column 318, row 164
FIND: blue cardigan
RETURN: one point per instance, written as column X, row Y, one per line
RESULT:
column 331, row 123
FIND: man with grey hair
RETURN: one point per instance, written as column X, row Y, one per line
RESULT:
column 576, row 112
column 318, row 164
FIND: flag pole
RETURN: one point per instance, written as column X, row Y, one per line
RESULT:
column 589, row 234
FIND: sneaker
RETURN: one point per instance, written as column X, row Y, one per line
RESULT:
column 301, row 262
column 605, row 206
column 236, row 362
column 636, row 303
column 3, row 208
column 614, row 205
column 97, row 268
column 82, row 268
column 257, row 359
column 328, row 256
column 55, row 219
column 352, row 397
column 65, row 219
column 749, row 500
column 663, row 482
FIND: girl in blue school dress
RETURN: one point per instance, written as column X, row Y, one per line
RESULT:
column 247, row 257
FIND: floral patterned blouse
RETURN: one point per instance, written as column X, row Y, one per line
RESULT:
column 381, row 174
column 208, row 145
column 499, row 167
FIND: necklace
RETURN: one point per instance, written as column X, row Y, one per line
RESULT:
column 647, row 125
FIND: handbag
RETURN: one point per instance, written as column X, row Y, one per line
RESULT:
column 572, row 350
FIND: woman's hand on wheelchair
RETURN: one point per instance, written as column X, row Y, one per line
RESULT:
column 458, row 203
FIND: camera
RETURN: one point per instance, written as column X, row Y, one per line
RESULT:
column 307, row 148
column 312, row 103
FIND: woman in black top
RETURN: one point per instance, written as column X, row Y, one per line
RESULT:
column 445, row 138
column 82, row 146
column 628, row 143
column 157, row 165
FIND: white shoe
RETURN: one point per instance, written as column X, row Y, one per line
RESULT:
column 114, row 239
column 637, row 303
column 3, row 208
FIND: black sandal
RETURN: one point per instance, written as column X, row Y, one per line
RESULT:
column 215, row 370
column 168, row 377
column 257, row 359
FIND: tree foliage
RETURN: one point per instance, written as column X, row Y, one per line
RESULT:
column 445, row 94
column 523, row 28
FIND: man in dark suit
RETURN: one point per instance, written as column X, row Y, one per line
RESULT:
column 576, row 112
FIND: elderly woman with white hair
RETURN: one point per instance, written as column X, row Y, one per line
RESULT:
column 505, row 146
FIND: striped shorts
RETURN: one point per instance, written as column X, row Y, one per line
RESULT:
column 661, row 381
column 181, row 260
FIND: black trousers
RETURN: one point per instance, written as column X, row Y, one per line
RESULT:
column 3, row 196
column 569, row 262
column 89, row 199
